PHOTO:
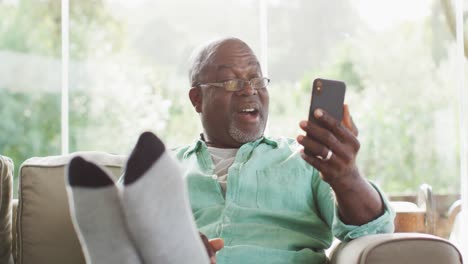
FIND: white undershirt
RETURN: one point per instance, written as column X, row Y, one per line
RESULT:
column 222, row 160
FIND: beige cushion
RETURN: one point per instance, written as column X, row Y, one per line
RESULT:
column 45, row 234
column 6, row 195
column 399, row 248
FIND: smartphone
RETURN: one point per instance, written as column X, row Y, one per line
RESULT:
column 329, row 96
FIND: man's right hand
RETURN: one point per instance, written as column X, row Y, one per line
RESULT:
column 212, row 246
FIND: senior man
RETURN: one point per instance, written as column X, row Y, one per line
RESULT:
column 263, row 196
column 270, row 202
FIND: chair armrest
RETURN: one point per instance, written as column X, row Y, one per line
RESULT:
column 453, row 211
column 455, row 222
column 396, row 248
column 426, row 201
column 13, row 229
column 6, row 195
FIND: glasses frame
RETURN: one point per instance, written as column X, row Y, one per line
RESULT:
column 225, row 84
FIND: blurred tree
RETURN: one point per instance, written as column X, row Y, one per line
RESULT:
column 31, row 26
column 302, row 34
column 449, row 13
column 129, row 74
column 406, row 121
column 31, row 121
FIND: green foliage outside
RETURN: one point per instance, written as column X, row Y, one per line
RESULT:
column 30, row 125
column 401, row 93
column 406, row 141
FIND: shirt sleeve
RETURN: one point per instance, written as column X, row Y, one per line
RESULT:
column 329, row 213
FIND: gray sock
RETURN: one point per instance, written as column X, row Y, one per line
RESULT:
column 97, row 215
column 156, row 206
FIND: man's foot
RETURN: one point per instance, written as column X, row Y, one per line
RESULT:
column 156, row 206
column 97, row 215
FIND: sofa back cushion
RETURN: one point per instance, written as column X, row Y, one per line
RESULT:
column 6, row 195
column 45, row 233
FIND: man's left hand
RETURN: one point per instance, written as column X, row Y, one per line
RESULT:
column 337, row 136
column 339, row 169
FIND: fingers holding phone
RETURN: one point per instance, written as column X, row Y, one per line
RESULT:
column 348, row 121
column 331, row 145
column 339, row 130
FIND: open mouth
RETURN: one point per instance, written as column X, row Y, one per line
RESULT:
column 249, row 111
column 249, row 114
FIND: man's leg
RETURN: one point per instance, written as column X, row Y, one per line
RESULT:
column 97, row 215
column 156, row 207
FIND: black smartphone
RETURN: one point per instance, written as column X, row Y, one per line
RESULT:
column 329, row 96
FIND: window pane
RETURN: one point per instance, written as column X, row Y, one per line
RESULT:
column 130, row 63
column 129, row 74
column 29, row 79
column 398, row 60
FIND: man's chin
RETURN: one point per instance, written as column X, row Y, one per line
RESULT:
column 244, row 136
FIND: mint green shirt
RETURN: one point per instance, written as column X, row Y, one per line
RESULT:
column 276, row 208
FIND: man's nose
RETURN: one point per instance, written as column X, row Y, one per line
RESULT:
column 247, row 90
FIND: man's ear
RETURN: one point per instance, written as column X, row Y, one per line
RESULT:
column 196, row 98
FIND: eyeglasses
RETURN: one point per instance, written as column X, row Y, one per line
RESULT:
column 235, row 85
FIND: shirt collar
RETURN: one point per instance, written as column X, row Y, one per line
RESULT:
column 200, row 143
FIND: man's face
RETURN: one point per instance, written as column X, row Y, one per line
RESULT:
column 227, row 117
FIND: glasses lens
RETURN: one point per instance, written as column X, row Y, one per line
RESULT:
column 231, row 85
column 259, row 83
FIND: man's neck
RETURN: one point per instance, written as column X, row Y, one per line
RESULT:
column 214, row 144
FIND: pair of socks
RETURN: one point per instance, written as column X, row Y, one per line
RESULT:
column 147, row 220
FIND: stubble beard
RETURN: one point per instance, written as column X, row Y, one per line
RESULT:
column 245, row 137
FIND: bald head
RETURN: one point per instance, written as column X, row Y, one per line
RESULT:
column 202, row 58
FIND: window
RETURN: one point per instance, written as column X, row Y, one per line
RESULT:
column 129, row 69
column 128, row 73
column 29, row 79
